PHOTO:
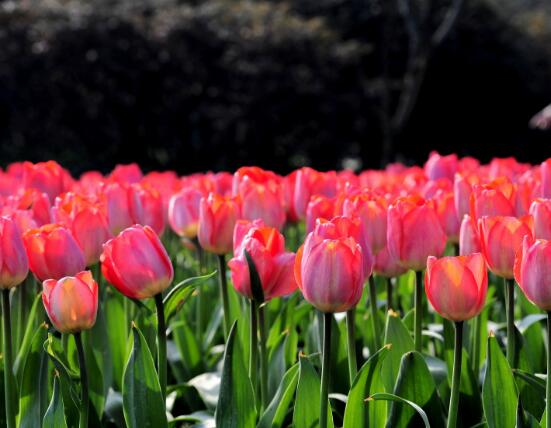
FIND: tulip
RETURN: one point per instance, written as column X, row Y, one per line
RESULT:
column 71, row 302
column 126, row 174
column 14, row 264
column 115, row 197
column 445, row 209
column 540, row 210
column 47, row 177
column 136, row 263
column 217, row 218
column 319, row 207
column 53, row 252
column 546, row 179
column 289, row 184
column 262, row 200
column 468, row 237
column 372, row 211
column 388, row 267
column 462, row 189
column 146, row 207
column 456, row 288
column 266, row 246
column 441, row 166
column 183, row 212
column 493, row 199
column 310, row 182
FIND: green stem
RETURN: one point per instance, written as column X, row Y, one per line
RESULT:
column 373, row 306
column 9, row 387
column 319, row 316
column 418, row 311
column 352, row 361
column 510, row 296
column 263, row 357
column 253, row 340
column 456, row 376
column 325, row 369
column 161, row 342
column 85, row 401
column 199, row 300
column 389, row 304
column 476, row 343
column 222, row 282
column 548, row 383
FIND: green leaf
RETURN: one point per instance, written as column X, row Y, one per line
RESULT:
column 142, row 400
column 274, row 415
column 367, row 382
column 256, row 284
column 117, row 337
column 391, row 397
column 55, row 414
column 34, row 382
column 175, row 299
column 37, row 311
column 534, row 381
column 499, row 394
column 398, row 336
column 236, row 405
column 525, row 419
column 307, row 404
column 277, row 365
column 416, row 384
column 188, row 347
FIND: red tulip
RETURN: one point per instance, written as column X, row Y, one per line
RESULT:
column 462, row 189
column 445, row 209
column 47, row 177
column 289, row 184
column 414, row 232
column 330, row 272
column 493, row 199
column 146, row 207
column 533, row 271
column 266, row 246
column 319, row 207
column 217, row 218
column 115, row 197
column 456, row 286
column 388, row 266
column 441, row 166
column 71, row 302
column 541, row 211
column 126, row 174
column 372, row 211
column 469, row 242
column 53, row 252
column 183, row 212
column 136, row 263
column 500, row 239
column 310, row 182
column 14, row 265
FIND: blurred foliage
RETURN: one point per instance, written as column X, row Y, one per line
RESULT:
column 196, row 85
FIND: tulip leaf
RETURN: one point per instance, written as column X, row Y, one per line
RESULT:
column 274, row 415
column 499, row 393
column 534, row 381
column 397, row 335
column 188, row 347
column 277, row 365
column 179, row 294
column 367, row 382
column 55, row 414
column 391, row 397
column 307, row 403
column 141, row 393
column 525, row 419
column 415, row 384
column 37, row 311
column 256, row 284
column 236, row 403
column 117, row 337
column 34, row 382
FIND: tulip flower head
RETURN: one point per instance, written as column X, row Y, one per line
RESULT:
column 14, row 265
column 533, row 271
column 469, row 242
column 266, row 246
column 456, row 286
column 136, row 263
column 541, row 211
column 183, row 212
column 71, row 302
column 217, row 218
column 496, row 198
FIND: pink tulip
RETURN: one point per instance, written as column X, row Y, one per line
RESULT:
column 217, row 218
column 456, row 286
column 445, row 209
column 469, row 242
column 183, row 212
column 387, row 266
column 71, row 302
column 146, row 207
column 441, row 166
column 136, row 263
column 126, row 174
column 545, row 170
column 116, row 200
column 14, row 264
column 46, row 177
column 533, row 271
column 310, row 182
column 541, row 211
column 372, row 211
column 462, row 189
column 493, row 199
column 319, row 207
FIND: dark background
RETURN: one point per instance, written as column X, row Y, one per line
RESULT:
column 216, row 84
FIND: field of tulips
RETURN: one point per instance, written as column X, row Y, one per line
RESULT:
column 405, row 297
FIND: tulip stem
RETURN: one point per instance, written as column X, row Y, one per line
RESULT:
column 199, row 299
column 389, row 304
column 548, row 382
column 263, row 356
column 351, row 336
column 476, row 344
column 253, row 341
column 161, row 342
column 9, row 388
column 456, row 376
column 84, row 401
column 418, row 333
column 325, row 368
column 222, row 282
column 373, row 307
column 510, row 297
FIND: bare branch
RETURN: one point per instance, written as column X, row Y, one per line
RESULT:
column 447, row 23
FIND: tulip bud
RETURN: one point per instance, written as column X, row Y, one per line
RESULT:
column 533, row 271
column 146, row 207
column 126, row 174
column 462, row 189
column 493, row 199
column 414, row 232
column 319, row 207
column 217, row 218
column 388, row 266
column 445, row 209
column 115, row 197
column 53, row 252
column 541, row 211
column 310, row 182
column 136, row 263
column 14, row 265
column 262, row 199
column 456, row 286
column 47, row 177
column 500, row 239
column 183, row 212
column 546, row 179
column 441, row 166
column 266, row 246
column 468, row 237
column 71, row 302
